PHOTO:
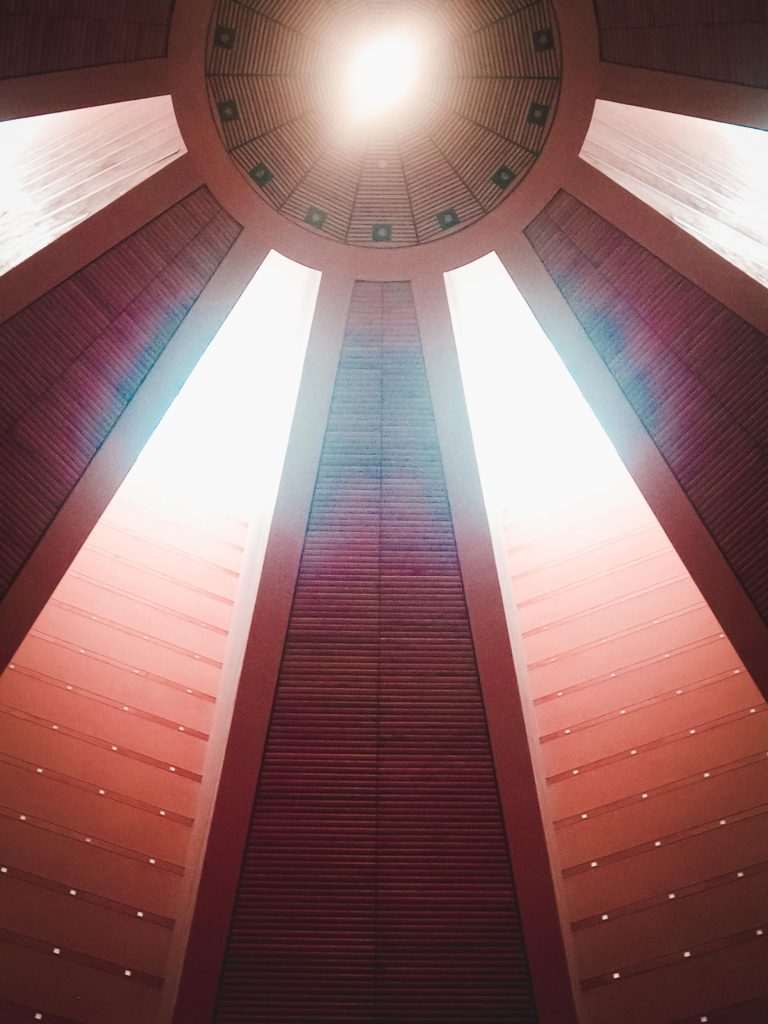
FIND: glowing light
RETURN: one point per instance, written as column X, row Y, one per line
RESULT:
column 383, row 72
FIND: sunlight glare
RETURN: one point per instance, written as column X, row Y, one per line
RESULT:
column 383, row 72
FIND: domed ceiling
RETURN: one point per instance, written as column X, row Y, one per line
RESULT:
column 478, row 119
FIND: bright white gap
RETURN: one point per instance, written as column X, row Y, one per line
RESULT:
column 544, row 459
column 59, row 169
column 708, row 177
column 219, row 450
column 383, row 71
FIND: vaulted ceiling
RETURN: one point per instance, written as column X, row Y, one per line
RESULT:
column 99, row 329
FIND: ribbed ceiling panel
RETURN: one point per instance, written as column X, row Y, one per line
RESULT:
column 72, row 360
column 277, row 89
column 726, row 40
column 54, row 35
column 694, row 372
column 376, row 885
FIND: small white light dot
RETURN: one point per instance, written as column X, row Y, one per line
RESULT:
column 39, row 771
column 181, row 728
column 38, row 1016
column 88, row 839
column 687, row 953
column 616, row 975
column 102, row 792
column 604, row 917
column 189, row 691
column 739, row 874
column 171, row 768
column 759, row 931
column 679, row 693
column 56, row 950
column 69, row 687
column 136, row 671
column 162, row 814
column 736, row 671
column 4, row 870
column 655, row 622
column 152, row 860
column 559, row 693
column 657, row 843
column 753, row 711
column 704, row 1020
column 54, row 727
column 127, row 974
column 671, row 896
column 22, row 817
column 114, row 748
column 139, row 913
column 82, row 650
column 706, row 775
column 197, row 658
column 11, row 665
column 575, row 771
column 666, row 655
column 692, row 732
column 593, row 864
column 633, row 751
column 613, row 675
column 567, row 732
column 73, row 892
column 721, row 635
column 126, row 708
column 584, row 817
column 645, row 796
column 623, row 711
column 723, row 821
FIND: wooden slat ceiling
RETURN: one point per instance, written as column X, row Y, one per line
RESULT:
column 56, row 35
column 693, row 370
column 726, row 40
column 481, row 116
column 73, row 359
column 376, row 885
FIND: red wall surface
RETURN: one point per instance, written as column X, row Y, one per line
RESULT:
column 105, row 714
column 654, row 754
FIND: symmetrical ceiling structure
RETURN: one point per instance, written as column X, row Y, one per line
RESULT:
column 376, row 811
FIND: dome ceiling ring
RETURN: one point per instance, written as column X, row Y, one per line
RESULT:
column 505, row 98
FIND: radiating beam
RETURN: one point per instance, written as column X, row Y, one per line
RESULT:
column 665, row 239
column 94, row 236
column 503, row 704
column 245, row 745
column 30, row 95
column 70, row 528
column 682, row 94
column 677, row 516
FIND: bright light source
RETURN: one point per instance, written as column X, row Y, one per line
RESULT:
column 383, row 72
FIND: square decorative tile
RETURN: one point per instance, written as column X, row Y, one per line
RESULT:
column 543, row 39
column 261, row 174
column 537, row 113
column 315, row 217
column 503, row 177
column 447, row 219
column 224, row 37
column 228, row 111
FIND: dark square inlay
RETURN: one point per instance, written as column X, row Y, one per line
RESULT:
column 503, row 177
column 381, row 233
column 543, row 39
column 315, row 217
column 224, row 37
column 228, row 110
column 261, row 174
column 447, row 219
column 538, row 113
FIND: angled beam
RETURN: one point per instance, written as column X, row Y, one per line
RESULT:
column 30, row 95
column 671, row 506
column 665, row 239
column 681, row 94
column 245, row 745
column 85, row 242
column 548, row 960
column 68, row 532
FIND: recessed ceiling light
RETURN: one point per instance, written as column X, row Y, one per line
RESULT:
column 383, row 72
